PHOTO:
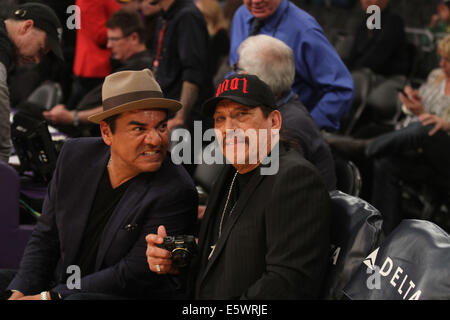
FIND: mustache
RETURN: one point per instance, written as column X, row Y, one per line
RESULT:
column 233, row 138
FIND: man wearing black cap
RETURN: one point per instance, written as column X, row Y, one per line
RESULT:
column 263, row 235
column 30, row 32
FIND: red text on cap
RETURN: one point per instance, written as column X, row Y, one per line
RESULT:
column 232, row 86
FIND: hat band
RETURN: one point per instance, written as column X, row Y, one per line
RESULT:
column 121, row 99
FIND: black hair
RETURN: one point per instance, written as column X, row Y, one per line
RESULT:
column 111, row 122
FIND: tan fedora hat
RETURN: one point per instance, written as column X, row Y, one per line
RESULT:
column 132, row 90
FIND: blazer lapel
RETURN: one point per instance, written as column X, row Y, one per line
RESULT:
column 240, row 206
column 76, row 221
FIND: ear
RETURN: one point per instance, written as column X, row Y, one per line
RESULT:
column 276, row 119
column 106, row 133
column 134, row 36
column 26, row 26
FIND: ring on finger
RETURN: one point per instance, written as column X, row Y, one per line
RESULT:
column 158, row 268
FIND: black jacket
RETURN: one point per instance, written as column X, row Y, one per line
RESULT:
column 299, row 126
column 275, row 244
column 165, row 197
column 384, row 50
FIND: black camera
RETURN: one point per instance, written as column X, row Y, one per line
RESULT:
column 183, row 248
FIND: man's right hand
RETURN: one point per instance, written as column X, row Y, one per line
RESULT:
column 159, row 260
column 16, row 295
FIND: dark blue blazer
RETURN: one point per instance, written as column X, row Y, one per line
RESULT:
column 166, row 197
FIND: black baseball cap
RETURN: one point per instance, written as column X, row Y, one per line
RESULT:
column 44, row 18
column 246, row 89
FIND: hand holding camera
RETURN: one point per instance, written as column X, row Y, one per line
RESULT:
column 168, row 254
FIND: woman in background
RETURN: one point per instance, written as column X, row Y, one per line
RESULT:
column 219, row 45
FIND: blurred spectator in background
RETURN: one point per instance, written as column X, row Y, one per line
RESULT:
column 418, row 154
column 322, row 81
column 30, row 32
column 26, row 78
column 440, row 22
column 125, row 38
column 420, row 150
column 130, row 5
column 219, row 41
column 150, row 13
column 382, row 50
column 91, row 63
column 181, row 59
column 434, row 95
column 273, row 62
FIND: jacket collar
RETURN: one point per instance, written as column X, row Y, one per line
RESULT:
column 79, row 220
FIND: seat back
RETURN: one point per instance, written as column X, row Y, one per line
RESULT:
column 9, row 197
column 13, row 237
column 411, row 264
column 46, row 95
column 384, row 101
column 362, row 80
column 348, row 177
column 355, row 232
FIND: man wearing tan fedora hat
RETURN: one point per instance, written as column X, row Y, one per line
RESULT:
column 106, row 195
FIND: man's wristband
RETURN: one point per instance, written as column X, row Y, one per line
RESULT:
column 44, row 295
column 75, row 120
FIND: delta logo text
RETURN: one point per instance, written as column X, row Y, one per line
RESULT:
column 402, row 283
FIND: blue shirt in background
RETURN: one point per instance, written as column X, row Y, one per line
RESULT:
column 322, row 81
